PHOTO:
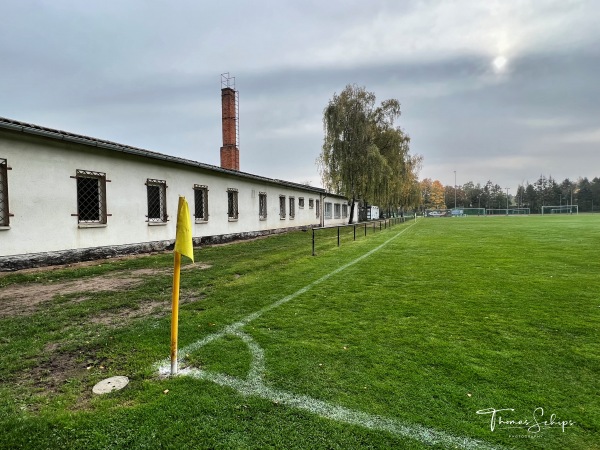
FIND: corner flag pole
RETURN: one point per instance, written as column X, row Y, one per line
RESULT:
column 183, row 246
column 175, row 312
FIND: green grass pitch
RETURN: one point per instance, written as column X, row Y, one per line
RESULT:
column 405, row 338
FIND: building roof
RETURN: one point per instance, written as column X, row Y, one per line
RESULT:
column 60, row 135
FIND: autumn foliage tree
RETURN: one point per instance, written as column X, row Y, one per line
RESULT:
column 437, row 198
column 364, row 155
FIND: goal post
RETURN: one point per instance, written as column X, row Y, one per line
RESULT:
column 471, row 211
column 560, row 209
column 508, row 212
column 519, row 211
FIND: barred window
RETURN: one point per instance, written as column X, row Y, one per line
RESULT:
column 292, row 207
column 318, row 208
column 328, row 210
column 311, row 203
column 201, row 203
column 344, row 211
column 337, row 211
column 300, row 202
column 91, row 196
column 232, row 204
column 262, row 205
column 157, row 201
column 4, row 215
column 282, row 206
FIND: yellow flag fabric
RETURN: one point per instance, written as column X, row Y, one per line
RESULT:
column 183, row 239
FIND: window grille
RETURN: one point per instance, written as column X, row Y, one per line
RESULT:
column 4, row 215
column 232, row 204
column 300, row 202
column 337, row 211
column 292, row 207
column 318, row 208
column 344, row 211
column 157, row 200
column 262, row 205
column 282, row 206
column 311, row 203
column 201, row 203
column 328, row 210
column 91, row 196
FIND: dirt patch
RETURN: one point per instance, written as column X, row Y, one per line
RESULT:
column 194, row 266
column 145, row 310
column 58, row 368
column 114, row 318
column 54, row 368
column 24, row 299
column 50, row 375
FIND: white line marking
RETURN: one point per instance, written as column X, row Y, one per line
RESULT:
column 253, row 385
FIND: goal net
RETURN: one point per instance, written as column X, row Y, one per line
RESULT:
column 472, row 211
column 562, row 209
column 508, row 212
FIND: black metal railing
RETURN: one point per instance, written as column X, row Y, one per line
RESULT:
column 350, row 232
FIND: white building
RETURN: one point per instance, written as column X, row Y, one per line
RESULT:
column 66, row 197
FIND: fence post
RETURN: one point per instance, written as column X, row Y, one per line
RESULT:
column 365, row 228
column 313, row 243
column 354, row 232
column 338, row 236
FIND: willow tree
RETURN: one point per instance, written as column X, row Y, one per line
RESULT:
column 363, row 154
column 401, row 187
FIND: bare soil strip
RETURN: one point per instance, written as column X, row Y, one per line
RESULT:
column 25, row 299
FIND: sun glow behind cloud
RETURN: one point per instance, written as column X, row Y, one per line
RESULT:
column 499, row 63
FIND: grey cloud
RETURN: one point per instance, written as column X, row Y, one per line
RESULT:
column 147, row 75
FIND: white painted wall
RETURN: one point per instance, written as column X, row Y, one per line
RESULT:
column 43, row 197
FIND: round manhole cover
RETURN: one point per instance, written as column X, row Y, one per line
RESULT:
column 110, row 384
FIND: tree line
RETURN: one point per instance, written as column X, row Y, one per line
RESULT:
column 546, row 191
column 366, row 157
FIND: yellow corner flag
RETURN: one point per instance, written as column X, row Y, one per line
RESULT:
column 183, row 246
column 183, row 238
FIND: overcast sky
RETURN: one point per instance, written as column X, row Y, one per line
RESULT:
column 494, row 90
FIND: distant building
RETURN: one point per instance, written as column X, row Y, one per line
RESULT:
column 66, row 197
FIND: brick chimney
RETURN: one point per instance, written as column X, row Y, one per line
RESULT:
column 230, row 154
